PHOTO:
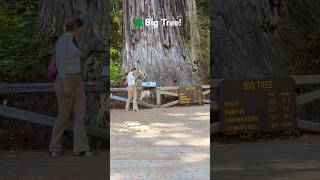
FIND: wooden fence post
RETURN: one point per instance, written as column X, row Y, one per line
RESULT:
column 158, row 98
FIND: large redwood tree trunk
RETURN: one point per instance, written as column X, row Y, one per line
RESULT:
column 168, row 55
column 248, row 38
column 93, row 41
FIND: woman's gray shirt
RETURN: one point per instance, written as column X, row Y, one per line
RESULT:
column 67, row 55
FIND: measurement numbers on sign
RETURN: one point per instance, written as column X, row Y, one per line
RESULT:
column 285, row 120
column 287, row 116
column 190, row 95
column 272, row 109
column 184, row 99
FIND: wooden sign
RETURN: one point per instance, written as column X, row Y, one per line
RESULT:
column 257, row 105
column 190, row 95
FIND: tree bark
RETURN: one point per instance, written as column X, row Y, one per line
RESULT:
column 265, row 38
column 245, row 38
column 168, row 55
column 93, row 41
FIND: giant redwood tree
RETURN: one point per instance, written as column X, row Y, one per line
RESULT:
column 168, row 55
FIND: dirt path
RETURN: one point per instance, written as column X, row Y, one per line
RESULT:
column 37, row 165
column 280, row 160
column 171, row 143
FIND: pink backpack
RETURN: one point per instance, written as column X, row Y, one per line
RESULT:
column 52, row 71
column 125, row 83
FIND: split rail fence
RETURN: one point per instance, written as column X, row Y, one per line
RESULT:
column 160, row 92
column 36, row 88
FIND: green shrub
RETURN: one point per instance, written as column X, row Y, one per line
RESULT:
column 117, row 74
column 17, row 25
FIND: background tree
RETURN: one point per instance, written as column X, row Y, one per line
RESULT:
column 116, row 42
column 203, row 23
column 93, row 41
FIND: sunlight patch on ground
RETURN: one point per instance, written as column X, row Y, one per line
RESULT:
column 202, row 113
column 197, row 142
column 167, row 143
column 150, row 134
column 141, row 128
column 154, row 133
column 175, row 115
column 179, row 135
column 132, row 123
column 195, row 157
column 201, row 118
column 166, row 124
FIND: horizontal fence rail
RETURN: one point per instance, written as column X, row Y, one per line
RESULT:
column 160, row 91
column 32, row 117
column 25, row 88
column 11, row 88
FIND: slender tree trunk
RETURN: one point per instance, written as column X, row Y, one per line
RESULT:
column 93, row 41
column 168, row 55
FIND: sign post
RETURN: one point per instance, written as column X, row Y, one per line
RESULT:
column 190, row 95
column 264, row 105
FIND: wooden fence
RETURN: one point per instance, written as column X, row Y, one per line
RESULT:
column 301, row 100
column 160, row 92
column 27, row 88
column 16, row 88
column 169, row 91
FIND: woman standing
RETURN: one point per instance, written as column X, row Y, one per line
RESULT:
column 132, row 90
column 70, row 92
